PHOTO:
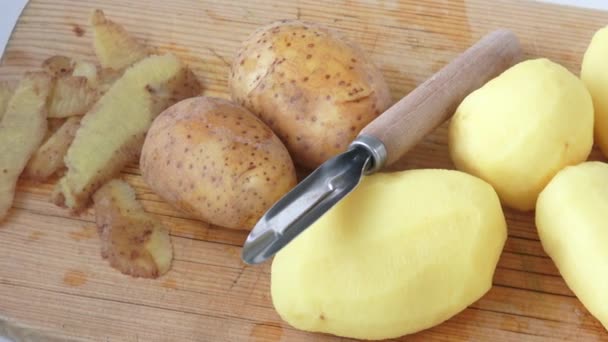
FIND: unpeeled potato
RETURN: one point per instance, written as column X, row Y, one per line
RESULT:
column 217, row 161
column 403, row 252
column 571, row 219
column 314, row 88
column 594, row 72
column 517, row 131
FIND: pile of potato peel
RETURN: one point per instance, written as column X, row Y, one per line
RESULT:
column 62, row 121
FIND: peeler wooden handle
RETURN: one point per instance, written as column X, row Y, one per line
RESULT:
column 407, row 122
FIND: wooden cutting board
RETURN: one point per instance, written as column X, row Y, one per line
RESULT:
column 53, row 281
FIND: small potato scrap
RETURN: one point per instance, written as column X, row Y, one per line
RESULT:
column 6, row 92
column 133, row 241
column 314, row 88
column 114, row 46
column 87, row 70
column 57, row 66
column 53, row 125
column 74, row 86
column 217, row 161
column 22, row 129
column 72, row 96
column 49, row 157
column 106, row 78
column 112, row 132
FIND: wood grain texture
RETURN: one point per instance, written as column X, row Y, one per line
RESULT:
column 53, row 281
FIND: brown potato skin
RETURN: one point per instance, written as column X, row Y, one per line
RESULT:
column 48, row 159
column 315, row 89
column 58, row 65
column 134, row 242
column 22, row 130
column 215, row 160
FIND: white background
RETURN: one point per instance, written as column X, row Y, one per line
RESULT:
column 9, row 12
column 10, row 9
column 596, row 4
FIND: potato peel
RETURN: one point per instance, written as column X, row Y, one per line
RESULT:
column 106, row 78
column 48, row 159
column 53, row 125
column 72, row 96
column 22, row 130
column 114, row 46
column 6, row 92
column 87, row 70
column 58, row 66
column 134, row 242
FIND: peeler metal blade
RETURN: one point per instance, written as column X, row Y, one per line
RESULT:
column 306, row 203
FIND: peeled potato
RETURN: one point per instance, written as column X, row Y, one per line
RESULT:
column 217, row 161
column 517, row 131
column 594, row 73
column 571, row 220
column 315, row 89
column 403, row 252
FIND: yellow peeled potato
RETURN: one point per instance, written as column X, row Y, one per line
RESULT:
column 571, row 221
column 215, row 160
column 314, row 88
column 517, row 131
column 403, row 252
column 594, row 72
